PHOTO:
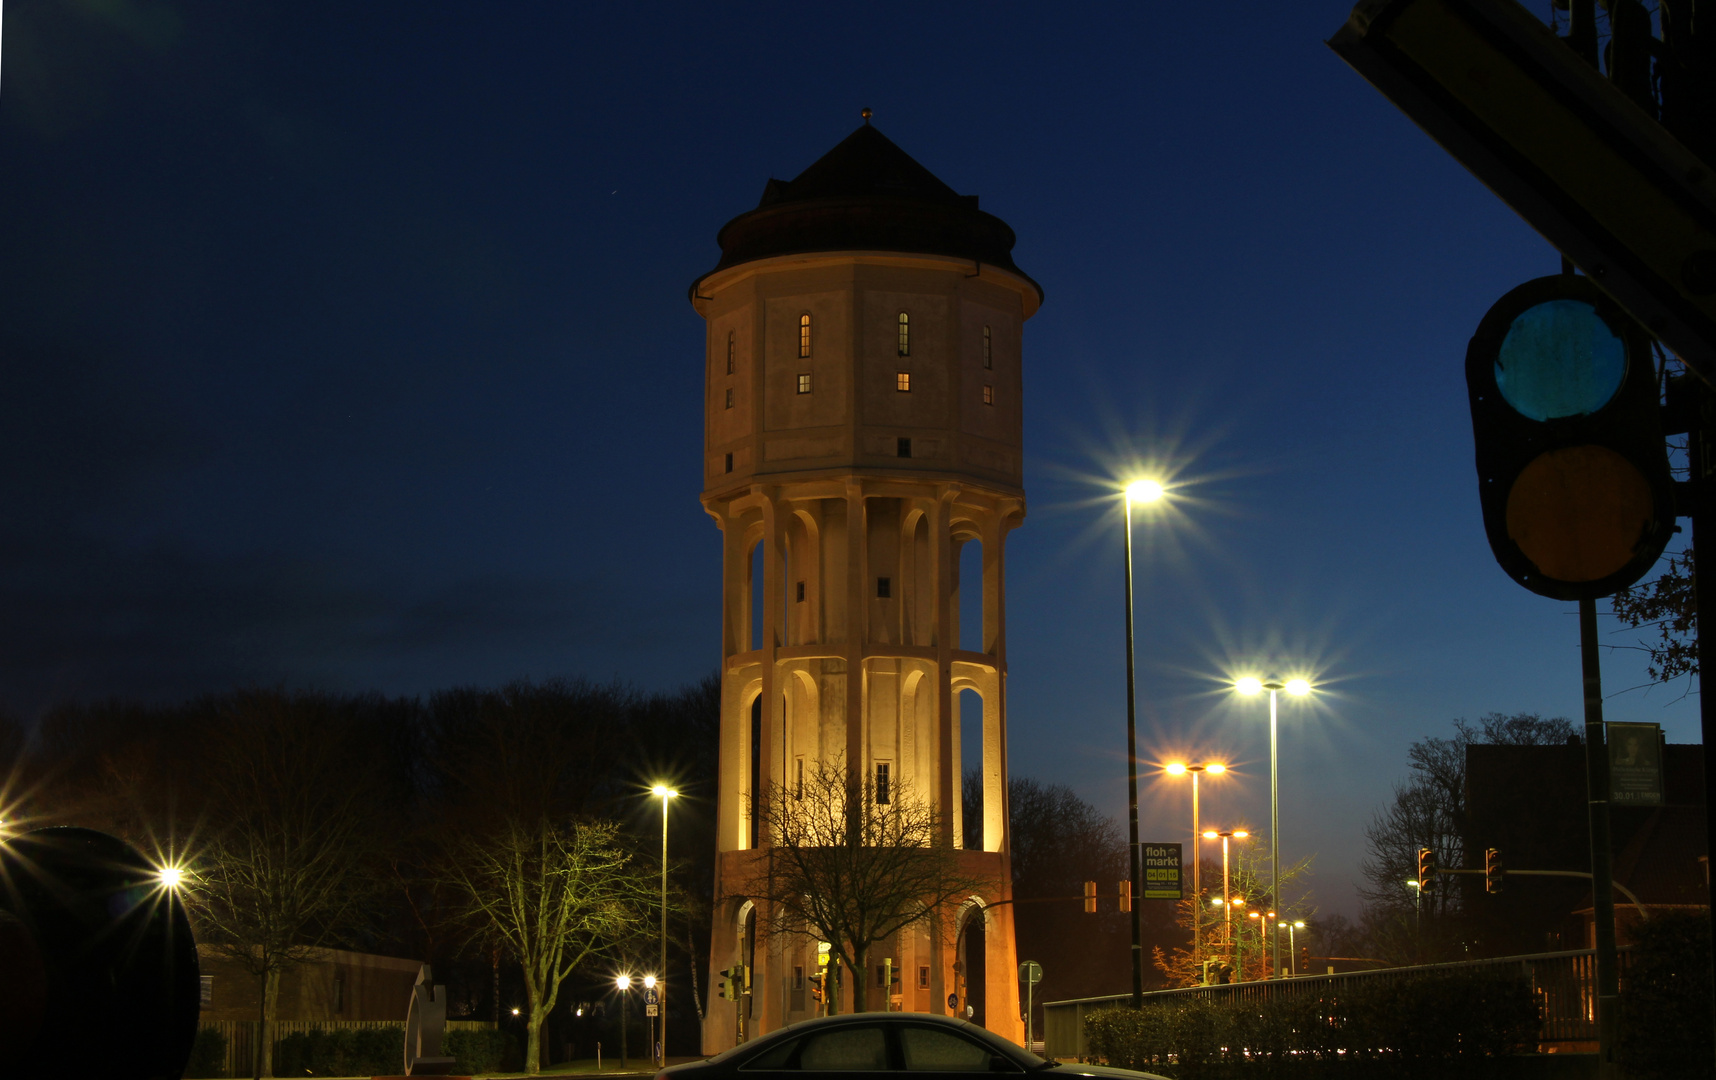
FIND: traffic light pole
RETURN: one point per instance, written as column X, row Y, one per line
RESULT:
column 1602, row 874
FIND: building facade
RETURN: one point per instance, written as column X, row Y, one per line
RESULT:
column 862, row 428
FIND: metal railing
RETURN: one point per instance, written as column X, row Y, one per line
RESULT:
column 1563, row 982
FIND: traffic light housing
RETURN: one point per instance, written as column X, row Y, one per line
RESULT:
column 1573, row 471
column 1090, row 898
column 1125, row 896
column 1494, row 872
column 816, row 988
column 724, row 987
column 1426, row 868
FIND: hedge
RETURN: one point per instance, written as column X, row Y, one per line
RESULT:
column 208, row 1054
column 341, row 1052
column 1665, row 1000
column 481, row 1051
column 1393, row 1029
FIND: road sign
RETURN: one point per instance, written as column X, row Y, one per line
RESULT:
column 1635, row 764
column 650, row 997
column 1030, row 973
column 1162, row 877
column 651, row 1010
column 1568, row 151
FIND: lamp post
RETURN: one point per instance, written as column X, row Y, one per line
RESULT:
column 1214, row 768
column 664, row 794
column 1144, row 491
column 1227, row 901
column 1298, row 688
column 1292, row 947
column 624, row 984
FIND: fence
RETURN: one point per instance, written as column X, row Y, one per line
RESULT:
column 1564, row 982
column 241, row 1036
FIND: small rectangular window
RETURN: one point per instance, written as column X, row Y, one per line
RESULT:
column 903, row 448
column 923, row 976
column 988, row 394
column 729, row 397
column 801, row 592
column 883, row 792
column 797, row 977
column 905, row 334
column 903, row 382
column 339, row 993
column 729, row 352
column 988, row 348
column 884, row 588
column 804, row 382
column 803, row 336
column 205, row 992
column 729, row 462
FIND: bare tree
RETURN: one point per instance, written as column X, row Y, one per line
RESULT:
column 293, row 821
column 1666, row 604
column 555, row 892
column 853, row 865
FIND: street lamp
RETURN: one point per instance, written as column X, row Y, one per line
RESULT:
column 1143, row 491
column 1228, row 902
column 1180, row 768
column 1298, row 688
column 1292, row 948
column 663, row 793
column 624, row 984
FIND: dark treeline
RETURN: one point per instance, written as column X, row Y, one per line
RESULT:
column 360, row 821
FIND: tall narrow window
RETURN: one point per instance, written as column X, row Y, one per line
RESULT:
column 905, row 334
column 923, row 976
column 798, row 977
column 804, row 382
column 729, row 462
column 903, row 382
column 205, row 990
column 884, row 588
column 730, row 349
column 801, row 592
column 884, row 794
column 339, row 993
column 804, row 335
column 988, row 348
column 903, row 447
column 988, row 394
column 798, row 782
column 729, row 397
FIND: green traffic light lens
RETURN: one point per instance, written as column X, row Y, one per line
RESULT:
column 1560, row 358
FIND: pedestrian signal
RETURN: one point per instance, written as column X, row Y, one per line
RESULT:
column 1090, row 898
column 1125, row 896
column 1493, row 871
column 1566, row 417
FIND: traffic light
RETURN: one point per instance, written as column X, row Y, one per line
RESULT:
column 1125, row 896
column 724, row 987
column 816, row 988
column 1572, row 468
column 1090, row 898
column 1493, row 871
column 1426, row 868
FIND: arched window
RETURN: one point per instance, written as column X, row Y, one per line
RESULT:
column 729, row 352
column 988, row 348
column 804, row 335
column 905, row 334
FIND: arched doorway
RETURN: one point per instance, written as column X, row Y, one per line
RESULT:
column 971, row 968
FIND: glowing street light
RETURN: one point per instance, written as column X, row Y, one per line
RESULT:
column 1181, row 768
column 665, row 794
column 171, row 877
column 1140, row 491
column 1297, row 688
column 1229, row 902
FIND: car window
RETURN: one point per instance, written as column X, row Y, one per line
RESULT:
column 928, row 1049
column 775, row 1057
column 846, row 1049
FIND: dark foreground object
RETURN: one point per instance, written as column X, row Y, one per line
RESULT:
column 922, row 1045
column 98, row 971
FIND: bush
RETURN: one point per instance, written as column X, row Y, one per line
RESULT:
column 1665, row 1001
column 341, row 1052
column 480, row 1051
column 1391, row 1028
column 208, row 1054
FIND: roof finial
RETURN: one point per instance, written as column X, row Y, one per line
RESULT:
column 865, row 113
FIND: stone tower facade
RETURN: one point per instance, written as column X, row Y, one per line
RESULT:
column 862, row 427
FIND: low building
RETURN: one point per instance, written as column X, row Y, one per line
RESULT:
column 335, row 985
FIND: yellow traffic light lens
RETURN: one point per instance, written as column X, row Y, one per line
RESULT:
column 1579, row 513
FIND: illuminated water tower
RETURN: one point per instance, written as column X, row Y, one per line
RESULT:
column 862, row 427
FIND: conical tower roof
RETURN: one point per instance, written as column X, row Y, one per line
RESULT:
column 866, row 194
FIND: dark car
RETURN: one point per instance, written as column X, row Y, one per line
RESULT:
column 922, row 1044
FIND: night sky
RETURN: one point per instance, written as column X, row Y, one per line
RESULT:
column 347, row 346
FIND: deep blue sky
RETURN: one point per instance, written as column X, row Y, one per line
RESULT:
column 348, row 346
